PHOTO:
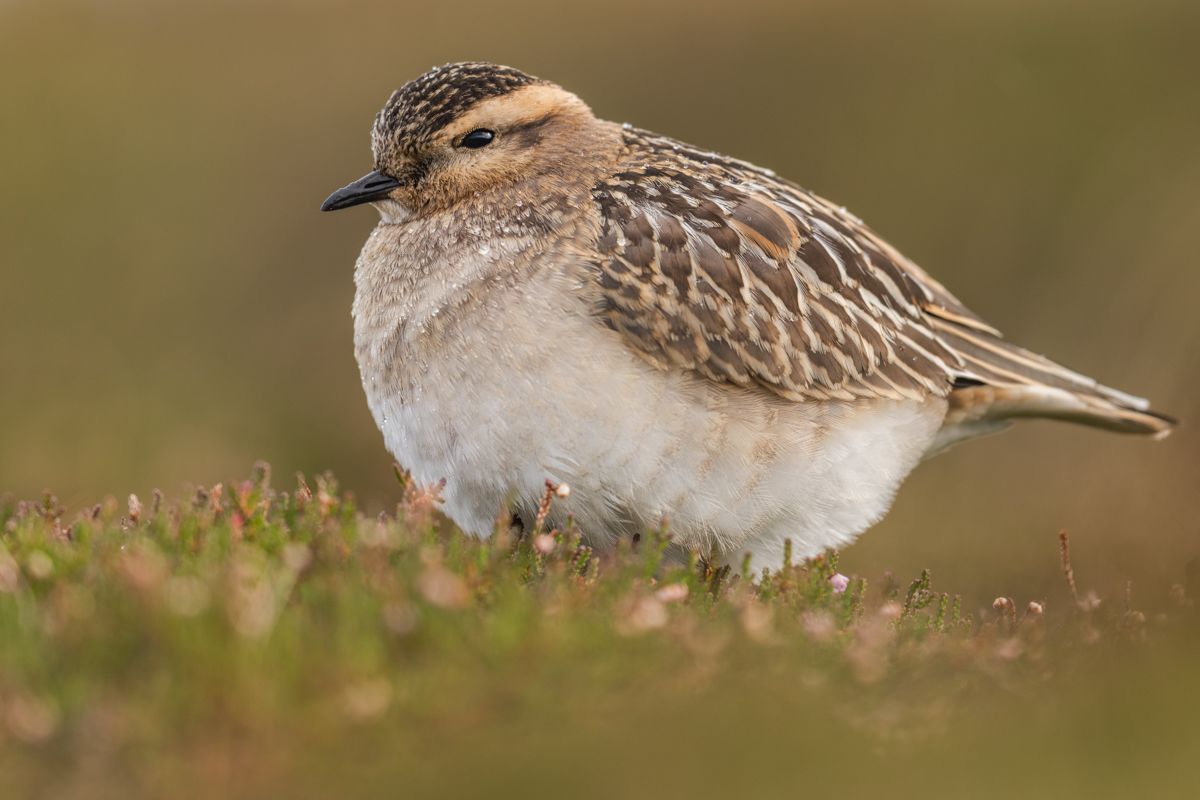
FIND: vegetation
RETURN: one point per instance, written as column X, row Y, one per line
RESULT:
column 246, row 641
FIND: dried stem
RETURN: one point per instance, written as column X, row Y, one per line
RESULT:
column 1064, row 546
column 539, row 523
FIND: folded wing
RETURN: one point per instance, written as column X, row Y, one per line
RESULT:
column 713, row 265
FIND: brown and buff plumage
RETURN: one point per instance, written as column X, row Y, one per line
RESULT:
column 676, row 333
column 718, row 266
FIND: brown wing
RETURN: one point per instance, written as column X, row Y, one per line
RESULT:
column 717, row 266
column 712, row 265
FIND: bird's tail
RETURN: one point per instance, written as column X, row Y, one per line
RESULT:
column 1001, row 382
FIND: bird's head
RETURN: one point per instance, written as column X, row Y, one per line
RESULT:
column 462, row 129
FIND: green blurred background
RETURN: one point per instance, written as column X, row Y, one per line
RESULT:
column 174, row 306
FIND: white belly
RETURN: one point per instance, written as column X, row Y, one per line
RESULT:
column 525, row 390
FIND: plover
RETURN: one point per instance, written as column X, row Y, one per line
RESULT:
column 678, row 335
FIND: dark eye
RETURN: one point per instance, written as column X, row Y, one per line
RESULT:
column 480, row 137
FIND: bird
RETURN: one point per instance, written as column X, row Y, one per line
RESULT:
column 688, row 341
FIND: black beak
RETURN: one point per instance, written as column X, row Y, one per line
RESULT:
column 372, row 186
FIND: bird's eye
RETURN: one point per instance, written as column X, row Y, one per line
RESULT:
column 480, row 137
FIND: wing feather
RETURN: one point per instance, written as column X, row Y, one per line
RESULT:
column 757, row 282
column 717, row 266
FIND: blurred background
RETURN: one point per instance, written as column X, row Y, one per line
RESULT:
column 175, row 307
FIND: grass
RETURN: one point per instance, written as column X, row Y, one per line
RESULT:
column 246, row 641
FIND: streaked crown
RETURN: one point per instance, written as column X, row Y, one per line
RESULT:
column 425, row 105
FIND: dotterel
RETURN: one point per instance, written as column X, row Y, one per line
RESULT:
column 676, row 334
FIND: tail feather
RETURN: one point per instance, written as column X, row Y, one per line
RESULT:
column 1000, row 382
column 987, row 403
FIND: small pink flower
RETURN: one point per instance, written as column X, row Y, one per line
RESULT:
column 839, row 582
column 672, row 593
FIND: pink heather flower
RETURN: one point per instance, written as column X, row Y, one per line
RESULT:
column 672, row 593
column 839, row 582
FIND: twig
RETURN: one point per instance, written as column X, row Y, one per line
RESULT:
column 1064, row 546
column 543, row 511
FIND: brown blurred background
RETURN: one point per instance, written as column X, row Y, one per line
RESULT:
column 174, row 306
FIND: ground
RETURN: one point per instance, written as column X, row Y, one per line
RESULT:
column 245, row 641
